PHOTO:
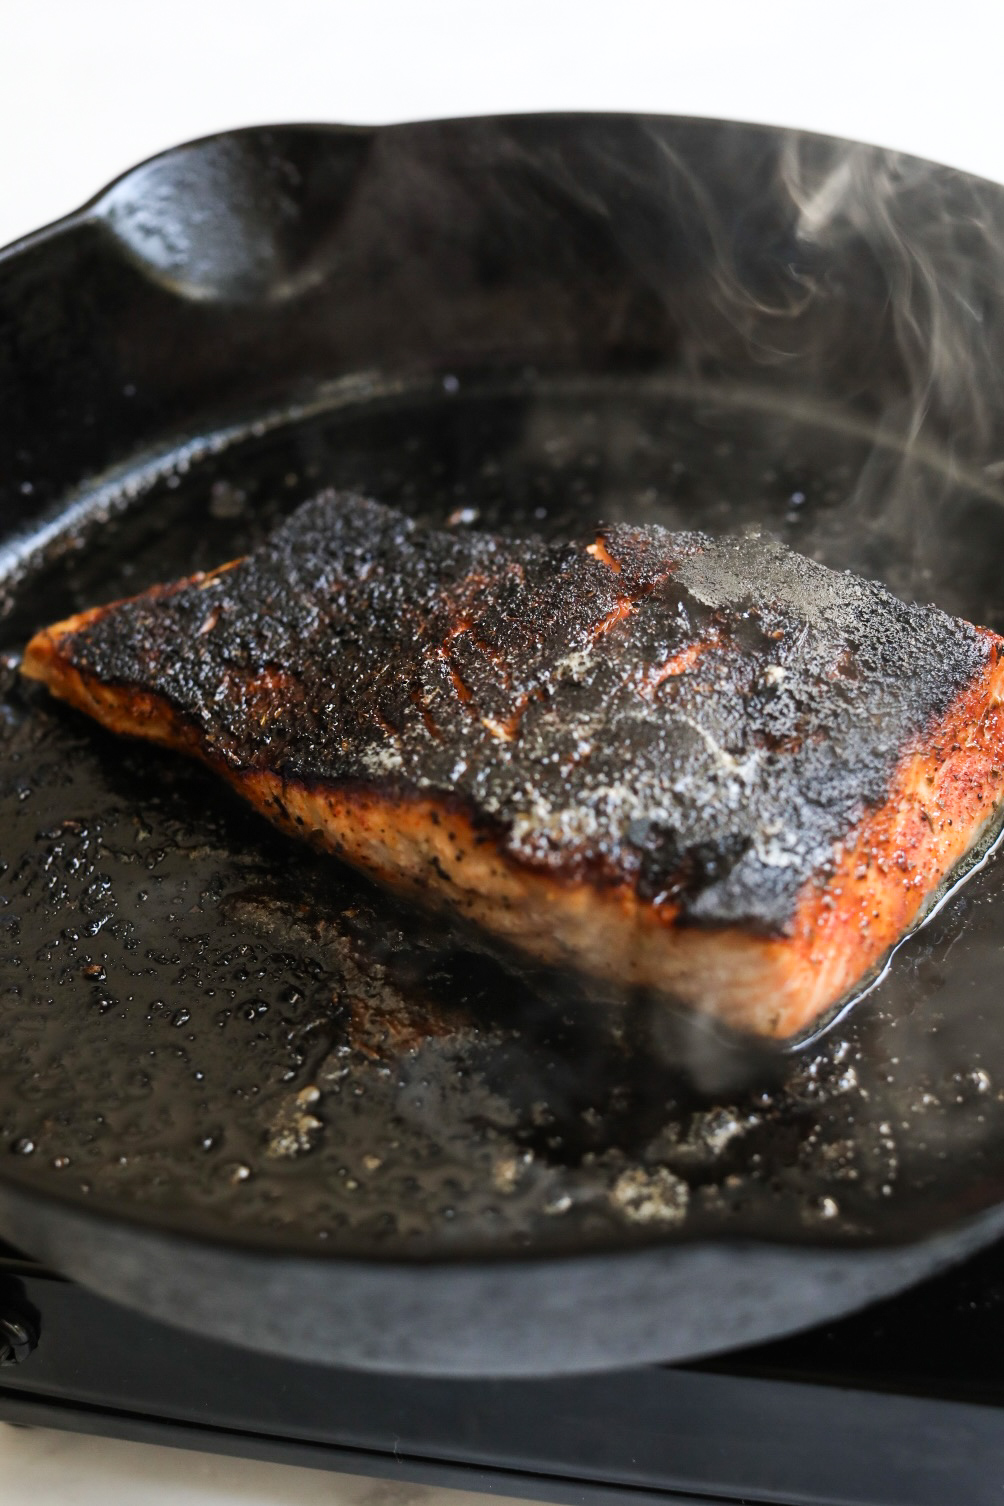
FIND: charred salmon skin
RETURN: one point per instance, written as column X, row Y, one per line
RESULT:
column 705, row 766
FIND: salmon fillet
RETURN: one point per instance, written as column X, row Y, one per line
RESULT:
column 708, row 767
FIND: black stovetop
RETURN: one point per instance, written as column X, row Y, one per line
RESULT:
column 900, row 1406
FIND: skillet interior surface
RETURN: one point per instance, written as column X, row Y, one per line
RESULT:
column 205, row 1020
column 213, row 1033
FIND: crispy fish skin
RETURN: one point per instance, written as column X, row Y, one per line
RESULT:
column 709, row 767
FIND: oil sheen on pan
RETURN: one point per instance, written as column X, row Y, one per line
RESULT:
column 708, row 767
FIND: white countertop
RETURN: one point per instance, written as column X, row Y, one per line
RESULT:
column 92, row 86
column 46, row 1468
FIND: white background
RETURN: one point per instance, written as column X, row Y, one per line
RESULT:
column 88, row 87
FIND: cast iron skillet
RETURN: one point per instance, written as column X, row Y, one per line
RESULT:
column 239, row 1088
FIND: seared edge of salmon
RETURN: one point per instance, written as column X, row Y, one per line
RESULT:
column 883, row 875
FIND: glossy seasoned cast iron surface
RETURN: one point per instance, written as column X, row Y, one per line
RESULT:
column 208, row 1023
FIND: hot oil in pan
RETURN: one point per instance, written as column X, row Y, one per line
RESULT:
column 202, row 1018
